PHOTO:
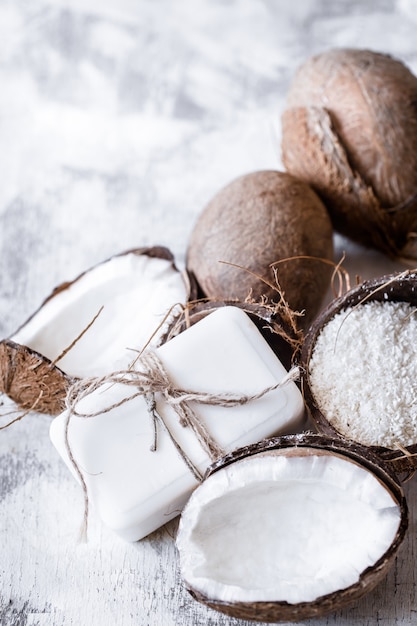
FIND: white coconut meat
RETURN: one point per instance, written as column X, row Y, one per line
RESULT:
column 131, row 294
column 366, row 388
column 284, row 528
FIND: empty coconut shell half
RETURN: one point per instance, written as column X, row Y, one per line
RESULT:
column 291, row 528
column 358, row 368
column 92, row 326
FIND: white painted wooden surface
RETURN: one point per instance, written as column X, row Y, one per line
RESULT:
column 118, row 121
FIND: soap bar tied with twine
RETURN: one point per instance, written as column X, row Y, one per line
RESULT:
column 150, row 380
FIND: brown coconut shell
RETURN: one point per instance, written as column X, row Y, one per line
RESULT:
column 399, row 287
column 350, row 131
column 31, row 379
column 307, row 444
column 245, row 242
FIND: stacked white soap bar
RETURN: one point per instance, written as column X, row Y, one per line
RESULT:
column 135, row 489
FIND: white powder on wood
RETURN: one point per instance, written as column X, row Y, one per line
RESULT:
column 363, row 373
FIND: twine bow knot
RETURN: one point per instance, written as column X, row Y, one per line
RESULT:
column 151, row 379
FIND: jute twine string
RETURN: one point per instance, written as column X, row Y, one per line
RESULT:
column 151, row 379
column 410, row 456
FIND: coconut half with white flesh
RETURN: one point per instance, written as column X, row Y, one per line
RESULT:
column 291, row 528
column 92, row 326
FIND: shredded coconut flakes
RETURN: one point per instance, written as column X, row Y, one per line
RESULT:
column 363, row 373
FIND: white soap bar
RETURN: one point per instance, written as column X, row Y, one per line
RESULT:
column 136, row 490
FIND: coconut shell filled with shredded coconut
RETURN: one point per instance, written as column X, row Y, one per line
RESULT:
column 371, row 399
column 360, row 367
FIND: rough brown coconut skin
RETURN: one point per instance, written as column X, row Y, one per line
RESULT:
column 31, row 380
column 253, row 222
column 350, row 130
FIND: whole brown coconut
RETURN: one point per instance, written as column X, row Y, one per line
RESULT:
column 253, row 222
column 350, row 130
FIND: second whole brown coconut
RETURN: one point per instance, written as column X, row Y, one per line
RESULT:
column 248, row 242
column 350, row 130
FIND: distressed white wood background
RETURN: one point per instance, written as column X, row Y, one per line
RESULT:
column 119, row 119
